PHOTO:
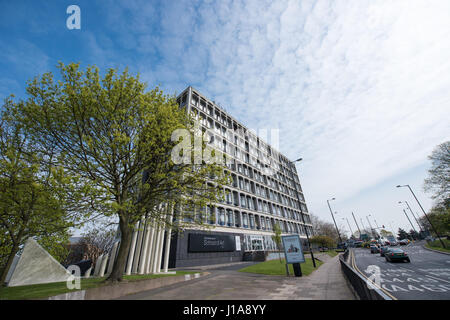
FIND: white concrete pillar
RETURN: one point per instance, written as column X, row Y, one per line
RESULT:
column 132, row 248
column 154, row 257
column 168, row 238
column 103, row 266
column 159, row 252
column 150, row 249
column 112, row 257
column 137, row 252
column 98, row 263
column 87, row 274
column 145, row 248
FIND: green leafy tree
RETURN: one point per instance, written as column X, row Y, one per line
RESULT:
column 385, row 233
column 117, row 137
column 439, row 216
column 438, row 181
column 413, row 234
column 323, row 241
column 402, row 234
column 34, row 199
column 276, row 237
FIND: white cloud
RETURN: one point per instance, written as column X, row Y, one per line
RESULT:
column 358, row 88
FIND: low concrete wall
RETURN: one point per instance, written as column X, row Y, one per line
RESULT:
column 121, row 289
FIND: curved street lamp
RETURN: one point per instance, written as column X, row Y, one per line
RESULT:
column 339, row 235
column 420, row 227
column 432, row 226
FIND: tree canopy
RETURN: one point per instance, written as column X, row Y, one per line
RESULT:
column 36, row 198
column 115, row 136
column 438, row 180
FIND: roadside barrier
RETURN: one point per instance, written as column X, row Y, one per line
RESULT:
column 360, row 283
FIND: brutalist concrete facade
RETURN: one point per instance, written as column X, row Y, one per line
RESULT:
column 265, row 189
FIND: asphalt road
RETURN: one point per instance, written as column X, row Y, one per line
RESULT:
column 426, row 277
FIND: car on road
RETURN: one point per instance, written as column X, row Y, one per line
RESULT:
column 374, row 248
column 383, row 250
column 403, row 242
column 342, row 245
column 358, row 244
column 396, row 254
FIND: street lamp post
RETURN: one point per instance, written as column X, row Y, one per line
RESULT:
column 303, row 220
column 432, row 226
column 351, row 232
column 339, row 235
column 417, row 221
column 409, row 221
column 370, row 225
column 357, row 225
column 392, row 229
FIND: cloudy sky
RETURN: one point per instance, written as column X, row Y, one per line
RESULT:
column 359, row 89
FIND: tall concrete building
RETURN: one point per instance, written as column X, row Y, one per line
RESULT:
column 265, row 191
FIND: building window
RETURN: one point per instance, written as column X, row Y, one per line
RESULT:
column 221, row 216
column 229, row 218
column 245, row 220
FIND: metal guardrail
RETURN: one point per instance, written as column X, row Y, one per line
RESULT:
column 359, row 283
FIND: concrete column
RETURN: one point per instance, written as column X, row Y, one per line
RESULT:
column 144, row 248
column 98, row 263
column 159, row 252
column 151, row 250
column 103, row 266
column 112, row 257
column 168, row 235
column 87, row 274
column 132, row 248
column 155, row 255
column 137, row 252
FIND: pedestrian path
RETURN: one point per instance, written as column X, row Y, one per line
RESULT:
column 325, row 283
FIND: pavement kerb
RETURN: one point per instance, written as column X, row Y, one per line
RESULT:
column 114, row 291
column 447, row 253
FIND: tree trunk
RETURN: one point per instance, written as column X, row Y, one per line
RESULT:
column 14, row 250
column 119, row 264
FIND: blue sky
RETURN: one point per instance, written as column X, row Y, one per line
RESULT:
column 359, row 89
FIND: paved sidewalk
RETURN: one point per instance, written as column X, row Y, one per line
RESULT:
column 226, row 283
column 326, row 283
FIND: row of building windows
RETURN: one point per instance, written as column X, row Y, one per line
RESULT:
column 214, row 118
column 220, row 216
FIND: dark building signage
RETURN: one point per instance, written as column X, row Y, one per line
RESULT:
column 211, row 243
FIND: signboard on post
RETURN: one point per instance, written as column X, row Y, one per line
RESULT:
column 293, row 249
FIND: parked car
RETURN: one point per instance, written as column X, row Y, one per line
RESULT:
column 383, row 250
column 396, row 254
column 374, row 249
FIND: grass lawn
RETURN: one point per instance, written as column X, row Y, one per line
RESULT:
column 38, row 291
column 436, row 245
column 274, row 267
column 332, row 253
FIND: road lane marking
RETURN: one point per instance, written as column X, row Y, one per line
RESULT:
column 373, row 283
column 437, row 278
